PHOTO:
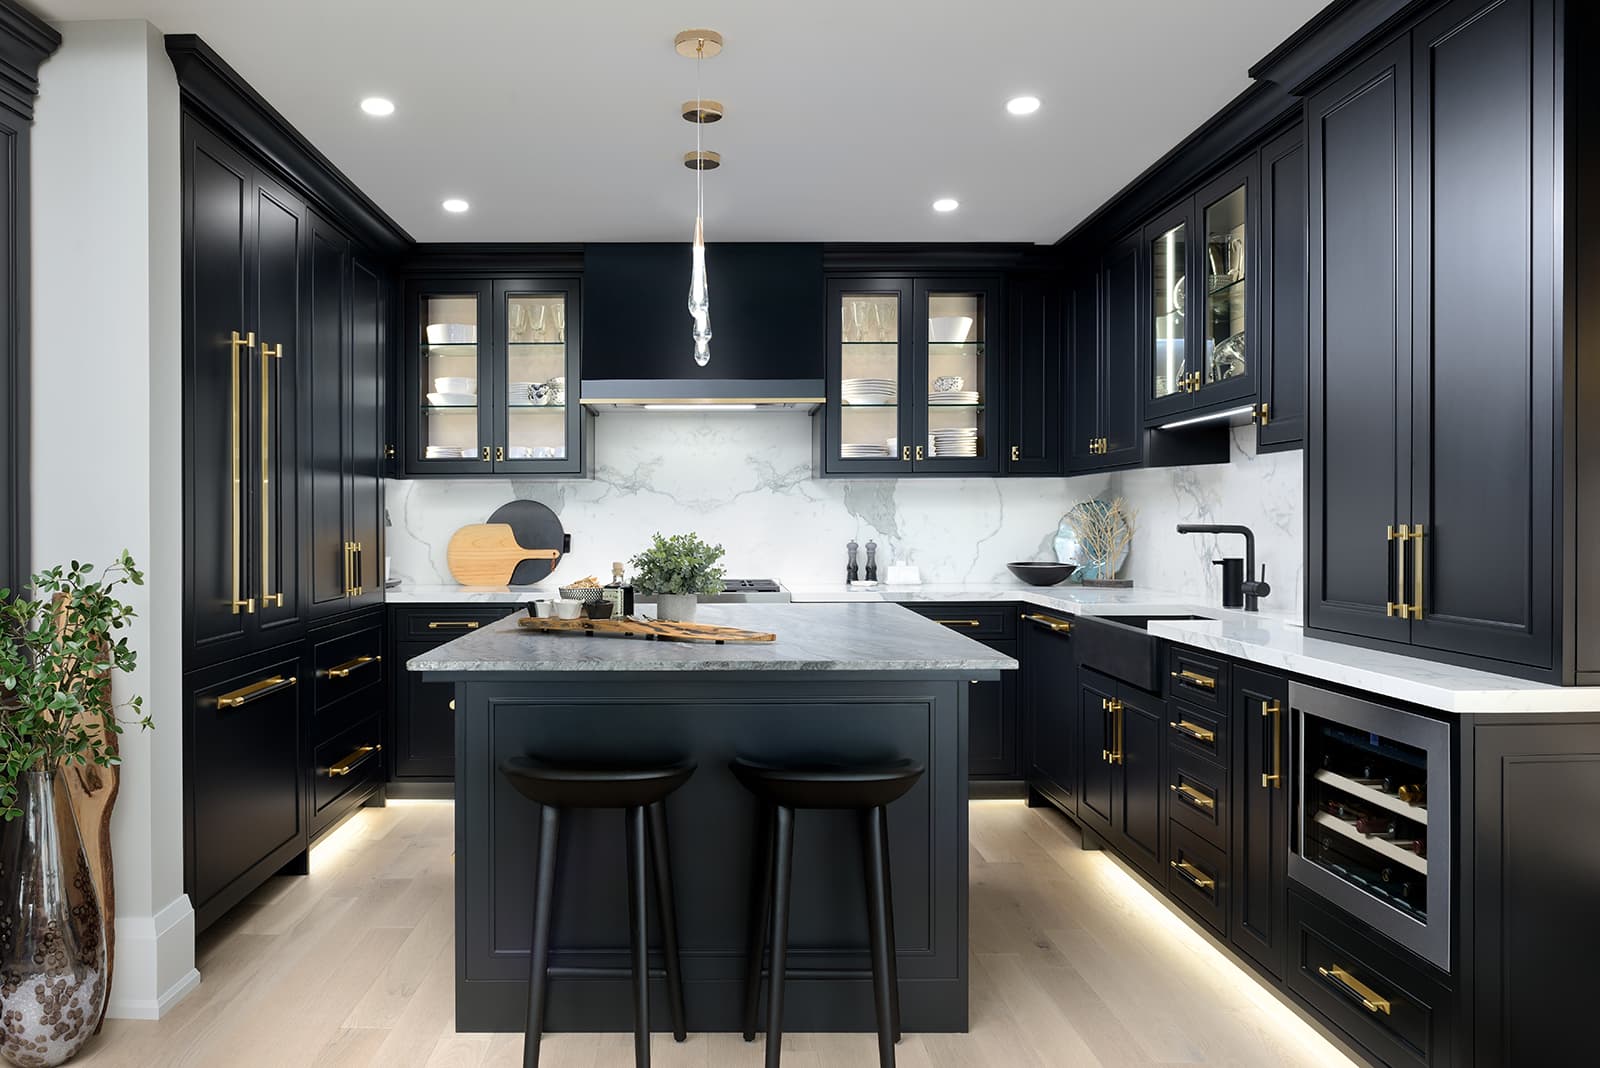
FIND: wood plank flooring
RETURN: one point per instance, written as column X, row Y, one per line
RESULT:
column 1073, row 963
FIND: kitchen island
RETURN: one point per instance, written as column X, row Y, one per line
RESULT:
column 858, row 682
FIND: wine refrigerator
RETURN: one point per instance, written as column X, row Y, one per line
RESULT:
column 1373, row 816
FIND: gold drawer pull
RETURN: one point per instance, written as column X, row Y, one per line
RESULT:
column 1194, row 875
column 1274, row 711
column 447, row 624
column 1194, row 678
column 343, row 670
column 345, row 766
column 255, row 691
column 1361, row 991
column 1058, row 626
column 1195, row 797
column 959, row 622
column 1193, row 730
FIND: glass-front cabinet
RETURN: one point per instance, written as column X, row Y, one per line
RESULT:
column 1199, row 310
column 913, row 373
column 489, row 362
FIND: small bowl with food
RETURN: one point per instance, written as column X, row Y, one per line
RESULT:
column 587, row 590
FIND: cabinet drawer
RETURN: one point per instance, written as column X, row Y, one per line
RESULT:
column 1192, row 729
column 1197, row 795
column 1197, row 877
column 1196, row 678
column 1387, row 1004
column 348, row 664
column 981, row 621
column 349, row 760
column 442, row 623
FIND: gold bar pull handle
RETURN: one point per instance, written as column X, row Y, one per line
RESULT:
column 1370, row 999
column 268, row 354
column 454, row 624
column 345, row 765
column 342, row 671
column 1193, row 731
column 1274, row 711
column 1398, row 536
column 959, row 622
column 1116, row 755
column 1416, row 606
column 240, row 603
column 1194, row 678
column 1057, row 626
column 1198, row 798
column 255, row 691
column 1194, row 875
column 361, row 571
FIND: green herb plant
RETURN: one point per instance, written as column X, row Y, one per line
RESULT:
column 57, row 653
column 681, row 564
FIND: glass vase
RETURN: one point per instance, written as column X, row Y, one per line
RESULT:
column 52, row 936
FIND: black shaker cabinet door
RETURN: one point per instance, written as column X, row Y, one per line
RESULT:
column 1281, row 304
column 1097, row 806
column 1358, row 131
column 1050, row 706
column 1142, row 727
column 1484, row 323
column 1121, row 419
column 364, row 457
column 1034, row 414
column 1083, row 386
column 1259, row 928
column 327, row 434
column 992, row 728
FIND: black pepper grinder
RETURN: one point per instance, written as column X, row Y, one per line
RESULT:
column 851, row 571
column 872, row 561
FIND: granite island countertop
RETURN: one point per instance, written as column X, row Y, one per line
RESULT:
column 830, row 637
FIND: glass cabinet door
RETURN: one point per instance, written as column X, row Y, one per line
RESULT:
column 958, row 365
column 535, row 416
column 868, row 426
column 1170, row 377
column 449, row 334
column 1225, row 270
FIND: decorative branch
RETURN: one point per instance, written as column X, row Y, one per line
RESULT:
column 1105, row 531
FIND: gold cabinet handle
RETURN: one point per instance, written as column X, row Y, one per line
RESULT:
column 454, row 624
column 1057, row 626
column 268, row 354
column 361, row 571
column 499, row 453
column 240, row 603
column 1195, row 796
column 1264, row 414
column 1194, row 875
column 1274, row 711
column 905, row 453
column 1193, row 730
column 1369, row 998
column 1194, row 678
column 1114, row 706
column 485, row 454
column 1016, row 453
column 959, row 622
column 346, row 765
column 1398, row 536
column 349, row 569
column 343, row 670
column 255, row 691
column 1416, row 606
column 918, row 452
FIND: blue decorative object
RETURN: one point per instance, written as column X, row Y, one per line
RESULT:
column 1068, row 550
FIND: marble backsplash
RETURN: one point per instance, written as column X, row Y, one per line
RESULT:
column 744, row 480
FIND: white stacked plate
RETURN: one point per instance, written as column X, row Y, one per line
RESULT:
column 448, row 452
column 520, row 392
column 862, row 451
column 954, row 441
column 966, row 396
column 869, row 390
column 453, row 400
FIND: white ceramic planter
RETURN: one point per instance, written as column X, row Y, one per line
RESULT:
column 678, row 607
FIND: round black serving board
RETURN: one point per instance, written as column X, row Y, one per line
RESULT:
column 535, row 527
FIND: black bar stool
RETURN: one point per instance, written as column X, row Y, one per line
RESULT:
column 642, row 793
column 782, row 790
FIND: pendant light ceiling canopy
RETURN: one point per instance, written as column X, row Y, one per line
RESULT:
column 700, row 45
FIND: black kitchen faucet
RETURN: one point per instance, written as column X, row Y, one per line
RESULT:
column 1250, row 587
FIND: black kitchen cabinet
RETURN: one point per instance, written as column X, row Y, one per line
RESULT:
column 1123, row 739
column 244, row 360
column 1261, row 792
column 1108, row 428
column 1050, row 708
column 349, row 692
column 992, row 724
column 492, row 376
column 1038, row 322
column 1281, row 294
column 914, row 377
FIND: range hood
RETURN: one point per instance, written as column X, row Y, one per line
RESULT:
column 766, row 322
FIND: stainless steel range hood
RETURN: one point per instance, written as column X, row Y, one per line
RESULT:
column 766, row 318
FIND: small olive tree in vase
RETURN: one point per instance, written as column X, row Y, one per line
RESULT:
column 58, row 718
column 1104, row 531
column 677, row 570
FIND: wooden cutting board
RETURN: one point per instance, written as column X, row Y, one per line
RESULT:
column 487, row 554
column 645, row 630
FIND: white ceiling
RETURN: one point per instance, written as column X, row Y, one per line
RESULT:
column 846, row 118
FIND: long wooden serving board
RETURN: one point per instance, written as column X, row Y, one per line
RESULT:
column 645, row 630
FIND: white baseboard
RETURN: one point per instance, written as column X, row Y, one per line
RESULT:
column 155, row 962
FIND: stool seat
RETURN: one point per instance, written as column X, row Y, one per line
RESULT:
column 594, row 785
column 825, row 784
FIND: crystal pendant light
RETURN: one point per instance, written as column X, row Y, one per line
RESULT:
column 700, row 44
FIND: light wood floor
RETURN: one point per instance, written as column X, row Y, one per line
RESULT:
column 1073, row 963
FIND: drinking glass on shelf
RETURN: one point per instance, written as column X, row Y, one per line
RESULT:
column 879, row 332
column 558, row 312
column 854, row 321
column 537, row 316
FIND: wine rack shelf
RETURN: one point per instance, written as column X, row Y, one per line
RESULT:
column 1415, row 813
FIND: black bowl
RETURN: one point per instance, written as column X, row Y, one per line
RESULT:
column 1041, row 573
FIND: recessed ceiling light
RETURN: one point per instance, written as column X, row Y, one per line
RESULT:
column 455, row 205
column 378, row 106
column 1022, row 105
column 946, row 204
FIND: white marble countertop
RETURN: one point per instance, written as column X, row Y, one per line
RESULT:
column 1271, row 639
column 818, row 638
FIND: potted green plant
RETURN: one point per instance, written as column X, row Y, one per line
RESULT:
column 677, row 570
column 57, row 655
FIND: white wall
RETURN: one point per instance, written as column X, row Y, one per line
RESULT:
column 745, row 481
column 106, row 443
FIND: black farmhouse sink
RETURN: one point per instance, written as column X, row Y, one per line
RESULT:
column 1120, row 646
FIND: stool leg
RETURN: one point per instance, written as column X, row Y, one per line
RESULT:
column 639, row 936
column 782, row 865
column 538, row 958
column 669, row 916
column 888, row 926
column 760, row 919
column 879, row 925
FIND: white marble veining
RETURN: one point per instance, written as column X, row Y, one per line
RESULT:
column 744, row 480
column 810, row 638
